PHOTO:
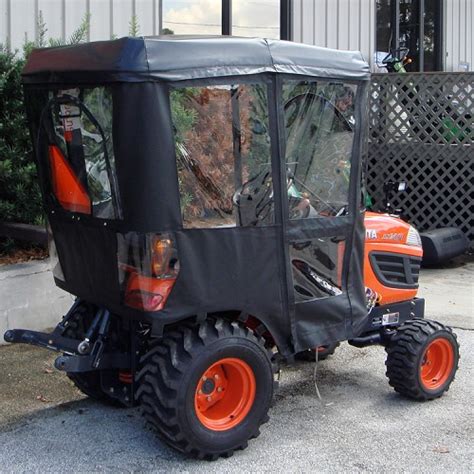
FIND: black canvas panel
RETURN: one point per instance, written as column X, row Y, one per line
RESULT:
column 88, row 257
column 230, row 269
column 355, row 281
column 323, row 323
column 144, row 153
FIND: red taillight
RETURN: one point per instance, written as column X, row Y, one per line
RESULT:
column 147, row 293
column 125, row 377
column 149, row 270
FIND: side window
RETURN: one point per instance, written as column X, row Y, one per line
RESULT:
column 81, row 154
column 319, row 124
column 223, row 155
column 316, row 266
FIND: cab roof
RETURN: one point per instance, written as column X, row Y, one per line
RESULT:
column 177, row 58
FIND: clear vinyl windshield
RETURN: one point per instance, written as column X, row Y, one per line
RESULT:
column 320, row 126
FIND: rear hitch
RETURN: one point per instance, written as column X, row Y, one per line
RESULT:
column 53, row 341
column 86, row 363
column 78, row 356
column 85, row 345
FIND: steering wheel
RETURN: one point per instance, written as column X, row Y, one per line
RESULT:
column 256, row 193
column 300, row 208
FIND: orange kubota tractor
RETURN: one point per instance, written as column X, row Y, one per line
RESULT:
column 204, row 203
column 392, row 258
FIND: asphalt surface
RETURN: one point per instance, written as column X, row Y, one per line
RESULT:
column 360, row 424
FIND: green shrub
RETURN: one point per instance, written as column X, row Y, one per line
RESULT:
column 20, row 199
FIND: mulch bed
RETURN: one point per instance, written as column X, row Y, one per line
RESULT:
column 20, row 255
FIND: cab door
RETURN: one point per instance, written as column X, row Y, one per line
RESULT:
column 322, row 221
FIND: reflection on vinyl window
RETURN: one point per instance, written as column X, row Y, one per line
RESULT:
column 82, row 163
column 317, row 267
column 319, row 123
column 222, row 146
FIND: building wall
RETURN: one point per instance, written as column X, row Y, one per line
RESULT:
column 350, row 24
column 458, row 34
column 19, row 18
column 339, row 24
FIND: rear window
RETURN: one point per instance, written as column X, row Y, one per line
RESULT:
column 81, row 154
column 223, row 155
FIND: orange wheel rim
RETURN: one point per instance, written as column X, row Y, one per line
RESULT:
column 437, row 364
column 225, row 394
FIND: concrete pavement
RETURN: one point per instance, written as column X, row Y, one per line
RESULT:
column 29, row 297
column 449, row 292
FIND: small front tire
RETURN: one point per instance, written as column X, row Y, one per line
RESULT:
column 422, row 359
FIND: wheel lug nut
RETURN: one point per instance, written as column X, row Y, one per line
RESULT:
column 200, row 392
column 204, row 378
column 219, row 389
column 209, row 399
column 216, row 376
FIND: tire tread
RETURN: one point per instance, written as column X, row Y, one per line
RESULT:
column 160, row 374
column 403, row 354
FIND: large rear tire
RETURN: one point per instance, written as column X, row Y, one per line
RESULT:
column 422, row 359
column 207, row 388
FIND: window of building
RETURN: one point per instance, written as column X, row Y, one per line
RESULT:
column 192, row 17
column 412, row 24
column 222, row 144
column 256, row 19
column 265, row 19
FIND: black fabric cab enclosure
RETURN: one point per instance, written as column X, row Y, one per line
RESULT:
column 184, row 176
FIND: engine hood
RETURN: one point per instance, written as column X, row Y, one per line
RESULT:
column 384, row 228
